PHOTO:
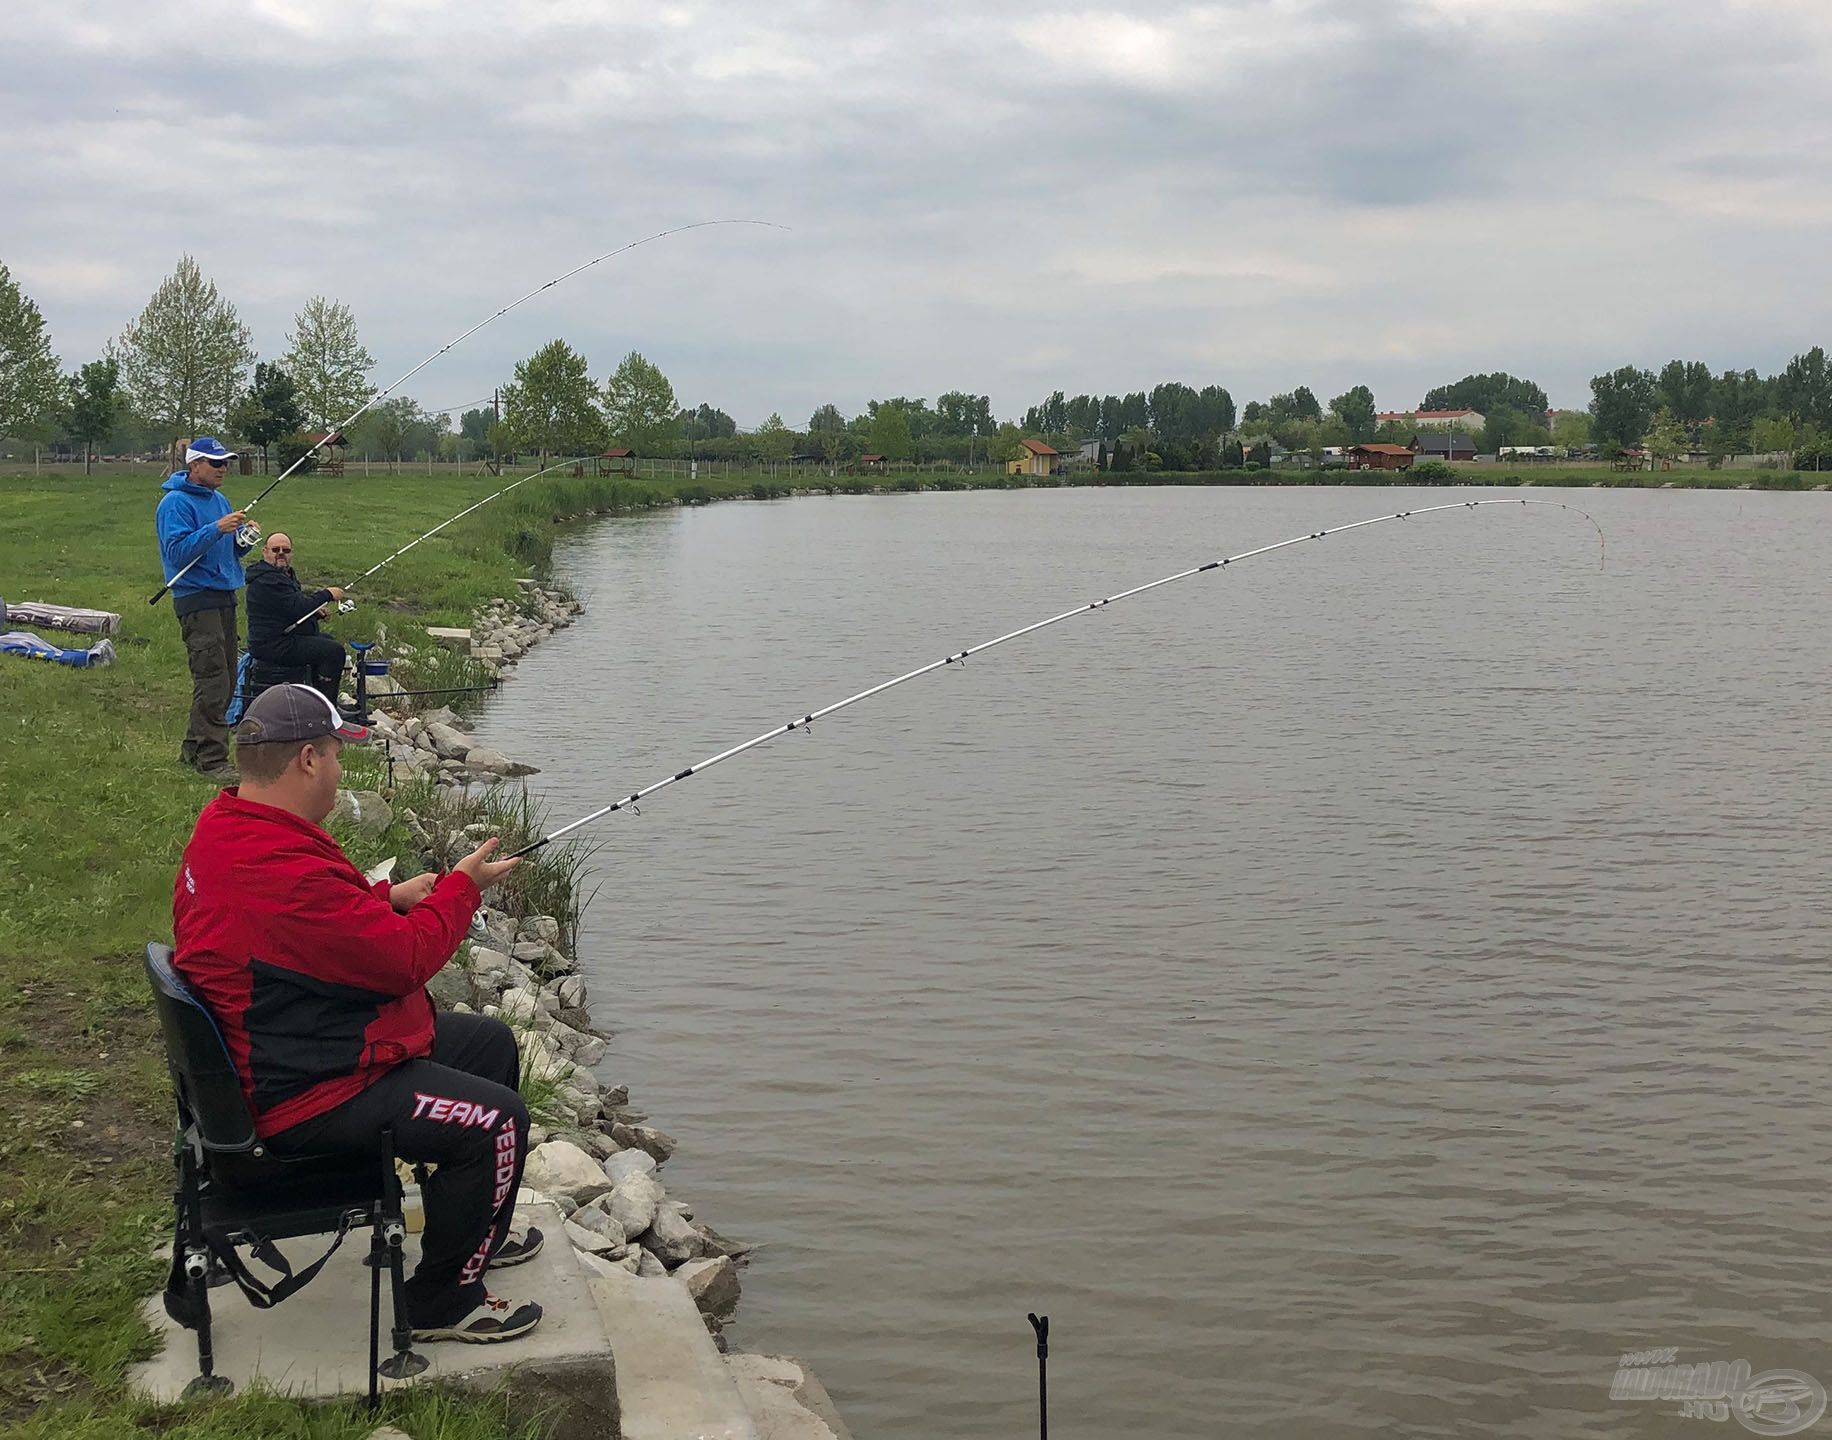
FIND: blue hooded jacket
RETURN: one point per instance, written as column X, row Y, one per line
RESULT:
column 186, row 523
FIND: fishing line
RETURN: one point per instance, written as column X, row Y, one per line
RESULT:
column 379, row 395
column 959, row 657
column 344, row 607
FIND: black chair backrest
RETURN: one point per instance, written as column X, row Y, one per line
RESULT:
column 209, row 1090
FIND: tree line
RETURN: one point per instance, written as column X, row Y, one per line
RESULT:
column 186, row 365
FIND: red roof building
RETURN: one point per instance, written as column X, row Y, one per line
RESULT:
column 1380, row 457
column 1040, row 459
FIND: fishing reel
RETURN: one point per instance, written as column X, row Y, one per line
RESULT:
column 344, row 607
column 249, row 535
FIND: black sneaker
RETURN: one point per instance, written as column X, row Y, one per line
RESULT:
column 517, row 1252
column 492, row 1322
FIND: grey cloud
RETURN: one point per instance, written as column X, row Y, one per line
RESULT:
column 1262, row 194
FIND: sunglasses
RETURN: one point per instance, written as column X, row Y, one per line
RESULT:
column 280, row 549
column 215, row 464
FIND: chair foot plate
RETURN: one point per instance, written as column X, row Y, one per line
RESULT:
column 209, row 1385
column 403, row 1366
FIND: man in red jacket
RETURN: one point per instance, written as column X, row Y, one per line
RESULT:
column 317, row 981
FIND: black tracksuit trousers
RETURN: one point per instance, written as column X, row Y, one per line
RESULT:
column 459, row 1110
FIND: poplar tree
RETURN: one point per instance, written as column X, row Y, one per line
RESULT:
column 640, row 407
column 183, row 358
column 30, row 386
column 328, row 362
column 551, row 407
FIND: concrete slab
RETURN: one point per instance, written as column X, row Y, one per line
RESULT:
column 785, row 1399
column 449, row 636
column 316, row 1344
column 672, row 1382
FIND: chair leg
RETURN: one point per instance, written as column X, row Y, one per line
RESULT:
column 376, row 1248
column 197, row 1286
column 404, row 1363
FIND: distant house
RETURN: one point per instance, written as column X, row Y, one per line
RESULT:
column 1039, row 459
column 874, row 462
column 330, row 457
column 618, row 460
column 1380, row 457
column 1434, row 419
column 1091, row 451
column 1444, row 445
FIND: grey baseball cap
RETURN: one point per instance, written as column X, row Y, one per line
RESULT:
column 284, row 713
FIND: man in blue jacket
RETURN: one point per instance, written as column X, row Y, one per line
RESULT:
column 195, row 522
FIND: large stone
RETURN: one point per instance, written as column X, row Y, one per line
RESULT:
column 713, row 1285
column 597, row 1218
column 625, row 1163
column 524, row 1010
column 561, row 1168
column 634, row 1203
column 543, row 957
column 450, row 987
column 494, row 762
column 591, row 1242
column 451, row 744
column 364, row 810
column 644, row 1137
column 571, row 992
column 452, row 639
column 541, row 927
column 717, row 1244
column 671, row 1238
column 489, row 968
column 647, row 1265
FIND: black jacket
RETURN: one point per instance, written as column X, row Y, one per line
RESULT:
column 275, row 600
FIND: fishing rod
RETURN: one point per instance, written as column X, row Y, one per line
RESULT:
column 959, row 657
column 344, row 607
column 337, row 432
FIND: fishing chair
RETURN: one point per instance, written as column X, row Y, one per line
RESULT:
column 231, row 1191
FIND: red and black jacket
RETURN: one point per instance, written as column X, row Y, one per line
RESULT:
column 317, row 985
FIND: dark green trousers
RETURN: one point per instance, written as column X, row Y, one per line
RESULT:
column 212, row 651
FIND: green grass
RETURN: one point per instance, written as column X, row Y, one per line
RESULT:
column 97, row 811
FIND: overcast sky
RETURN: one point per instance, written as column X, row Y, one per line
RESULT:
column 1002, row 198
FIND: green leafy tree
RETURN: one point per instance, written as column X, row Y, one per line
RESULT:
column 1216, row 409
column 397, row 428
column 1736, row 400
column 774, row 440
column 551, row 407
column 640, row 407
column 182, row 359
column 1487, row 393
column 1804, row 390
column 268, row 411
column 30, row 387
column 95, row 405
column 706, row 422
column 1622, row 406
column 1666, row 441
column 1572, row 429
column 328, row 362
column 474, row 427
column 1684, row 388
column 1354, row 407
column 827, row 432
column 958, row 413
column 1775, row 434
column 890, row 432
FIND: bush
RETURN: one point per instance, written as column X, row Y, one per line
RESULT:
column 290, row 449
column 1432, row 472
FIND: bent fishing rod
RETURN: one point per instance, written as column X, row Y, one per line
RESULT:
column 959, row 657
column 344, row 607
column 380, row 395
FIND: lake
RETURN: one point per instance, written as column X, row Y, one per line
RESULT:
column 1361, row 992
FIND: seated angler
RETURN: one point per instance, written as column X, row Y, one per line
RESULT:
column 275, row 601
column 317, row 981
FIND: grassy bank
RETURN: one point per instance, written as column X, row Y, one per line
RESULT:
column 97, row 812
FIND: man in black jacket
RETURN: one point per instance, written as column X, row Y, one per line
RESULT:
column 275, row 601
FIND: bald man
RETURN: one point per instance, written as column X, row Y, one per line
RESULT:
column 275, row 601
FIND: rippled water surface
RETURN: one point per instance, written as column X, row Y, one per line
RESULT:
column 1359, row 993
